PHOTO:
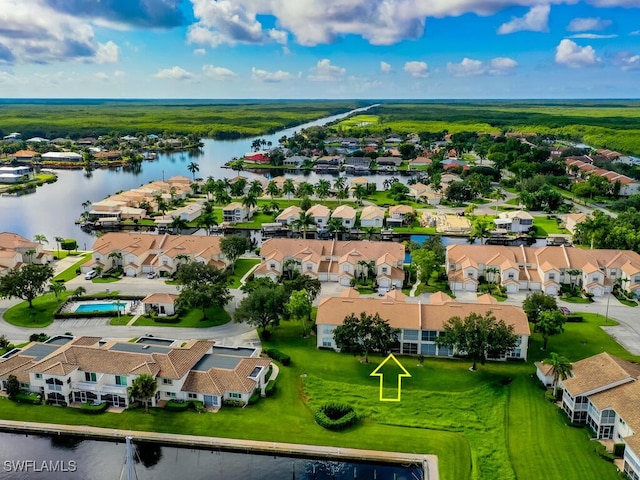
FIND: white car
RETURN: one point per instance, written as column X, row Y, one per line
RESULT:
column 151, row 275
column 91, row 274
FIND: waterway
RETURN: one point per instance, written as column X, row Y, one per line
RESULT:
column 53, row 209
column 65, row 457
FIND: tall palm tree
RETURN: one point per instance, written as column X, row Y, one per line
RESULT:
column 250, row 202
column 322, row 188
column 86, row 204
column 59, row 241
column 573, row 273
column 40, row 238
column 115, row 258
column 359, row 192
column 491, row 276
column 30, row 253
column 207, row 221
column 304, row 222
column 272, row 189
column 342, row 194
column 305, row 189
column 193, row 167
column 178, row 224
column 222, row 197
column 57, row 288
column 340, row 183
column 255, row 188
column 288, row 188
column 560, row 368
column 480, row 229
column 334, row 225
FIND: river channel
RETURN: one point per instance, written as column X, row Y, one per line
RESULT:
column 68, row 458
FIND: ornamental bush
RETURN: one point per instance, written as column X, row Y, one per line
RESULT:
column 92, row 409
column 336, row 416
column 270, row 389
column 277, row 355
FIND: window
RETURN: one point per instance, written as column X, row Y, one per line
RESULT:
column 428, row 349
column 272, row 265
column 326, row 342
column 90, row 377
column 193, row 395
column 24, row 385
column 470, row 274
column 636, row 279
column 429, row 335
column 327, row 329
column 552, row 276
column 38, row 375
column 347, row 222
column 309, row 266
column 235, row 395
column 121, row 380
column 444, row 352
column 596, row 278
column 608, row 416
column 167, row 381
column 384, row 269
column 170, row 394
column 410, row 348
column 516, row 353
column 411, row 334
column 511, row 275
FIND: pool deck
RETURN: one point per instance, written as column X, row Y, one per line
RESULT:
column 429, row 462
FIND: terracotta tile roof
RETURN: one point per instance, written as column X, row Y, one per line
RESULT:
column 598, row 372
column 344, row 211
column 160, row 298
column 487, row 299
column 217, row 381
column 371, row 211
column 318, row 211
column 399, row 210
column 440, row 298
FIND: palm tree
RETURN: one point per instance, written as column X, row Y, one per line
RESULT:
column 290, row 266
column 288, row 187
column 480, row 229
column 560, row 368
column 115, row 257
column 305, row 189
column 340, row 183
column 86, row 204
column 30, row 253
column 342, row 194
column 181, row 259
column 59, row 241
column 40, row 238
column 303, row 222
column 322, row 189
column 255, row 188
column 178, row 224
column 573, row 272
column 207, row 221
column 272, row 189
column 143, row 387
column 237, row 166
column 193, row 167
column 222, row 197
column 334, row 225
column 57, row 288
column 359, row 192
column 491, row 276
column 250, row 202
column 78, row 292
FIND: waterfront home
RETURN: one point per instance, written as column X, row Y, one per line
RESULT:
column 261, row 157
column 372, row 216
column 519, row 221
column 15, row 174
column 392, row 161
column 235, row 212
column 289, row 215
column 320, row 215
column 359, row 181
column 603, row 391
column 295, row 160
column 67, row 370
column 62, row 157
column 628, row 186
column 140, row 254
column 333, row 261
column 160, row 303
column 329, row 162
column 543, row 269
column 419, row 324
column 397, row 214
column 16, row 250
column 23, row 155
column 572, row 220
column 357, row 164
column 346, row 214
column 420, row 162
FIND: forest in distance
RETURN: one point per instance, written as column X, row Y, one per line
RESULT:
column 613, row 124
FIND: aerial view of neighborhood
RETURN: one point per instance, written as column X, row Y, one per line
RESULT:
column 320, row 240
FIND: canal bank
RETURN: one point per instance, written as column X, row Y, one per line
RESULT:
column 427, row 463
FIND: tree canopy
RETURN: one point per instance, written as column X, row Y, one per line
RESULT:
column 365, row 334
column 202, row 286
column 263, row 307
column 299, row 306
column 233, row 246
column 143, row 387
column 26, row 282
column 537, row 302
column 478, row 337
column 550, row 322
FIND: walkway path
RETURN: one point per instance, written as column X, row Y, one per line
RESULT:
column 412, row 293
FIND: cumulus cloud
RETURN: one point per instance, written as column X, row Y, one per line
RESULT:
column 107, row 52
column 592, row 35
column 324, row 71
column 218, row 73
column 536, row 20
column 200, row 51
column 585, row 24
column 174, row 73
column 627, row 61
column 417, row 69
column 107, row 77
column 635, row 32
column 469, row 67
column 385, row 67
column 270, row 77
column 572, row 55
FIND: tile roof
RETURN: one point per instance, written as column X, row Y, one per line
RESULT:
column 160, row 298
column 599, row 372
column 371, row 211
column 298, row 248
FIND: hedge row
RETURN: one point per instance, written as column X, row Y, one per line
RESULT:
column 167, row 319
column 277, row 355
column 253, row 399
column 233, row 403
column 270, row 388
column 574, row 318
column 30, row 398
column 177, row 406
column 335, row 416
column 92, row 409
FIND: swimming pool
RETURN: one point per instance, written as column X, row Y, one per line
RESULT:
column 100, row 307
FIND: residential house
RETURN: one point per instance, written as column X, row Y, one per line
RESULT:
column 454, row 163
column 160, row 303
column 357, row 164
column 16, row 250
column 542, row 268
column 420, row 162
column 37, row 140
column 329, row 163
column 260, row 157
column 66, row 370
column 582, row 169
column 295, row 161
column 236, row 212
column 603, row 391
column 359, row 181
column 320, row 215
column 372, row 216
column 15, row 174
column 350, row 142
column 62, row 157
column 518, row 221
column 140, row 254
column 346, row 214
column 572, row 220
column 397, row 214
column 390, row 161
column 289, row 215
column 23, row 155
column 333, row 261
column 419, row 324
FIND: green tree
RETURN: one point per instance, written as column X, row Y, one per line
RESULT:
column 78, row 292
column 40, row 238
column 481, row 228
column 560, row 369
column 322, row 188
column 233, row 246
column 69, row 244
column 304, row 222
column 143, row 387
column 359, row 191
column 250, row 202
column 550, row 322
column 57, row 288
column 305, row 189
column 4, row 341
column 299, row 306
column 208, row 221
column 478, row 337
column 237, row 187
column 299, row 281
column 26, row 282
column 178, row 224
column 255, row 188
column 59, row 240
column 427, row 261
column 202, row 286
column 537, row 302
column 13, row 386
column 272, row 189
column 365, row 334
column 288, row 188
column 263, row 307
column 193, row 167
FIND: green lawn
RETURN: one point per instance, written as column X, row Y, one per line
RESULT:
column 547, row 226
column 70, row 273
column 41, row 315
column 243, row 265
column 105, row 279
column 382, row 198
column 121, row 320
column 192, row 319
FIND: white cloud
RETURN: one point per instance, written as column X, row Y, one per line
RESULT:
column 536, row 20
column 417, row 69
column 502, row 66
column 629, row 62
column 107, row 53
column 470, row 67
column 585, row 24
column 385, row 67
column 324, row 71
column 218, row 73
column 106, row 77
column 591, row 36
column 572, row 55
column 174, row 73
column 270, row 77
column 635, row 32
column 200, row 51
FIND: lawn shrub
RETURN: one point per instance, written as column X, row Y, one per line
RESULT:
column 176, row 406
column 277, row 355
column 133, row 405
column 59, row 404
column 92, row 409
column 270, row 388
column 601, row 451
column 167, row 319
column 335, row 416
column 253, row 399
column 28, row 397
column 233, row 403
column 575, row 318
column 618, row 450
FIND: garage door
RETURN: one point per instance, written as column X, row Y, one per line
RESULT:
column 470, row 287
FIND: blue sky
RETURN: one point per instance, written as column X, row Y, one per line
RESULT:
column 320, row 48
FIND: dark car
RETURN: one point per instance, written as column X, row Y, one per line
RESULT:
column 565, row 311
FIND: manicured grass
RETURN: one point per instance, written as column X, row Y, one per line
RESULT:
column 243, row 265
column 416, row 230
column 120, row 321
column 105, row 279
column 41, row 315
column 192, row 319
column 575, row 299
column 547, row 226
column 70, row 273
column 382, row 198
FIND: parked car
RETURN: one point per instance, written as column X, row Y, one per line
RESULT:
column 565, row 311
column 91, row 274
column 152, row 275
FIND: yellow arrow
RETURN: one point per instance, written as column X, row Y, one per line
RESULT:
column 377, row 373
